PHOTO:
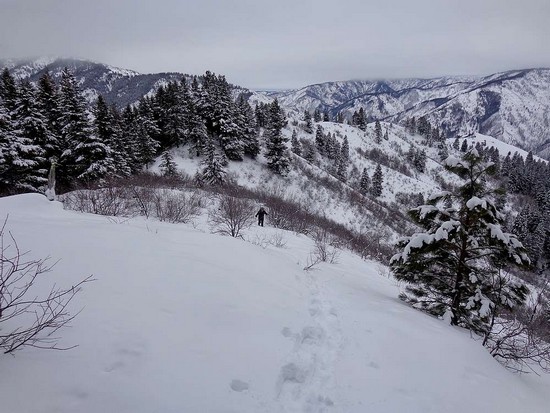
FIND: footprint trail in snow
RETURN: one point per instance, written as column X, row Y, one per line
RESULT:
column 306, row 382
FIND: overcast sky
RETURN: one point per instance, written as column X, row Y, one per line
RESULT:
column 284, row 43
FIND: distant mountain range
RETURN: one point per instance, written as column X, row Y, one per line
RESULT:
column 512, row 106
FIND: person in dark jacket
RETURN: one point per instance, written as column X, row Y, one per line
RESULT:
column 261, row 214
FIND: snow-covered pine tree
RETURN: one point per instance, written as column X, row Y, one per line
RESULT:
column 317, row 115
column 456, row 144
column 454, row 269
column 342, row 169
column 419, row 161
column 8, row 91
column 18, row 156
column 75, row 131
column 48, row 104
column 364, row 183
column 308, row 127
column 376, row 182
column 361, row 120
column 213, row 172
column 276, row 154
column 248, row 131
column 295, row 143
column 109, row 129
column 167, row 165
column 344, row 152
column 32, row 136
column 146, row 145
column 377, row 133
column 320, row 140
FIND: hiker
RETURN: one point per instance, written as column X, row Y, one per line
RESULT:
column 261, row 214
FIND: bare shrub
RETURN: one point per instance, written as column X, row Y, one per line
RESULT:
column 144, row 200
column 326, row 247
column 521, row 341
column 27, row 318
column 175, row 207
column 232, row 216
column 112, row 201
column 277, row 240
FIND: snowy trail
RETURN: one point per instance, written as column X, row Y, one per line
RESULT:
column 307, row 381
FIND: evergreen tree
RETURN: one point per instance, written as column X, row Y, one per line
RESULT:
column 456, row 144
column 167, row 165
column 420, row 158
column 442, row 150
column 345, row 149
column 326, row 117
column 213, row 172
column 107, row 130
column 8, row 91
column 295, row 143
column 376, row 182
column 247, row 129
column 139, row 126
column 364, row 184
column 454, row 269
column 309, row 123
column 276, row 155
column 464, row 146
column 75, row 131
column 361, row 120
column 18, row 156
column 317, row 115
column 377, row 133
column 341, row 169
column 48, row 104
column 320, row 140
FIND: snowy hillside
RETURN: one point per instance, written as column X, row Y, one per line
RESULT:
column 511, row 106
column 179, row 319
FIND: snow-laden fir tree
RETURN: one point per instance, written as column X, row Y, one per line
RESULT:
column 276, row 154
column 317, row 115
column 295, row 143
column 377, row 133
column 344, row 152
column 455, row 269
column 108, row 130
column 376, row 182
column 364, row 183
column 247, row 130
column 167, row 165
column 320, row 140
column 308, row 127
column 21, row 158
column 213, row 172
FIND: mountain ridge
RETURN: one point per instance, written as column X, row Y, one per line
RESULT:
column 513, row 106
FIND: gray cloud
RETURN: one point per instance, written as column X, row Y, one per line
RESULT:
column 285, row 43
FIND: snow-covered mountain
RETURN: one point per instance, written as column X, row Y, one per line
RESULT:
column 117, row 86
column 512, row 106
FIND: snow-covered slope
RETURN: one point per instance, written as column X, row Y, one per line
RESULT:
column 182, row 320
column 512, row 106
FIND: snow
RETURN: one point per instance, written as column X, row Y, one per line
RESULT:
column 179, row 319
column 474, row 202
